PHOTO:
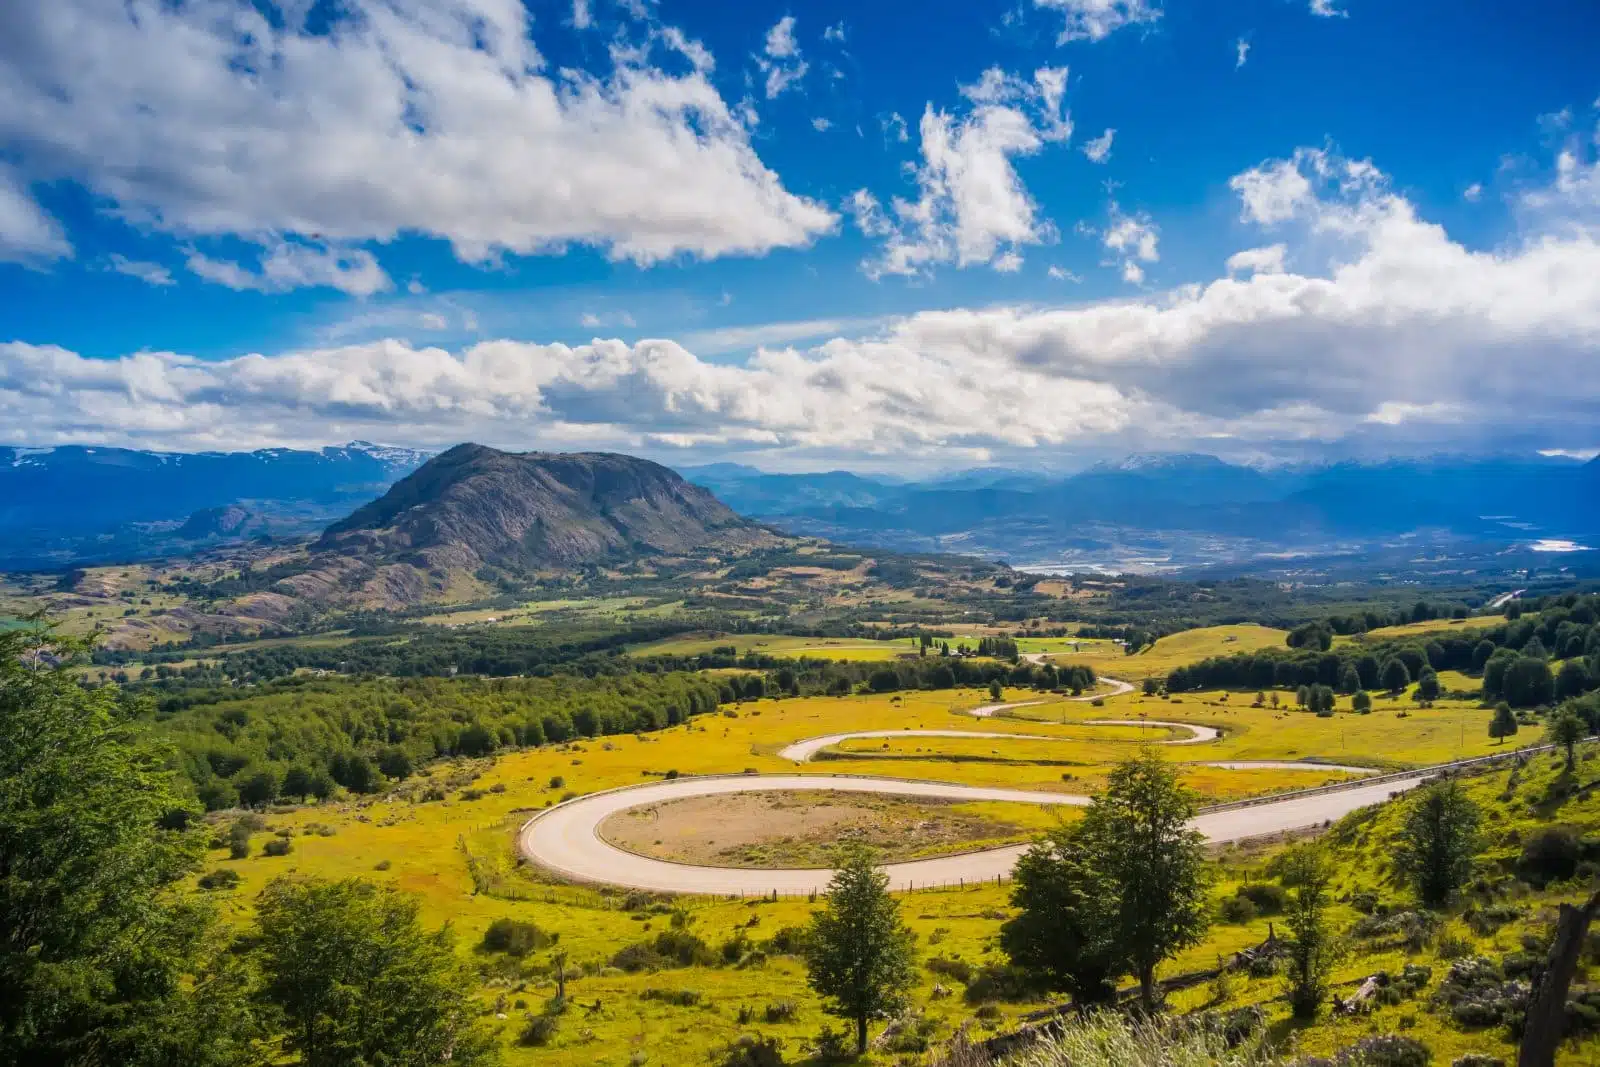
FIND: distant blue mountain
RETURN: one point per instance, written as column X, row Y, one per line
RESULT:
column 1476, row 497
column 80, row 502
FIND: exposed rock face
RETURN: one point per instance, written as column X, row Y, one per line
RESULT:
column 475, row 505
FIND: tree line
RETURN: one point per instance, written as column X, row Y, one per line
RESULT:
column 1514, row 659
column 301, row 737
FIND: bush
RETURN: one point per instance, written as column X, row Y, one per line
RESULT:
column 752, row 1050
column 239, row 840
column 788, row 941
column 1477, row 1059
column 997, row 982
column 1550, row 855
column 832, row 1046
column 221, row 878
column 557, row 782
column 1237, row 909
column 1387, row 1050
column 539, row 1031
column 671, row 948
column 1268, row 898
column 278, row 846
column 514, row 938
column 781, row 1011
column 683, row 998
column 959, row 970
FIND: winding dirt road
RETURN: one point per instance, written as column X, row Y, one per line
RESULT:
column 565, row 838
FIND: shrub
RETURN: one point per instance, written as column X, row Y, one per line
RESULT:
column 514, row 938
column 788, row 941
column 683, row 998
column 1268, row 898
column 752, row 1050
column 1477, row 1059
column 557, row 782
column 997, row 982
column 1550, row 855
column 959, row 970
column 221, row 878
column 1387, row 1050
column 239, row 840
column 832, row 1046
column 1237, row 909
column 278, row 846
column 781, row 1011
column 1477, row 996
column 671, row 948
column 539, row 1031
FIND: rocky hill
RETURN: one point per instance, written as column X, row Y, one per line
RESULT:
column 474, row 511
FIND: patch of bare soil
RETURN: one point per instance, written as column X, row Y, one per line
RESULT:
column 802, row 829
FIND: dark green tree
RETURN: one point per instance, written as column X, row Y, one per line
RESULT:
column 1361, row 703
column 1396, row 676
column 1504, row 723
column 1566, row 730
column 1528, row 683
column 1313, row 949
column 1065, row 932
column 97, row 954
column 1572, row 680
column 1428, row 687
column 1438, row 841
column 357, row 980
column 858, row 953
column 1349, row 679
column 297, row 782
column 1140, row 824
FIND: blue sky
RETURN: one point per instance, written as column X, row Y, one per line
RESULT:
column 884, row 236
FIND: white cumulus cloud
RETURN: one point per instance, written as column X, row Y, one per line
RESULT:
column 780, row 60
column 210, row 119
column 972, row 207
column 1098, row 149
column 1094, row 20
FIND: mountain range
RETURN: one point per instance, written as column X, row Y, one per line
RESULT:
column 1184, row 509
column 76, row 504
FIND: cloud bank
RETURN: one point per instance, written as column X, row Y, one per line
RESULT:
column 1401, row 334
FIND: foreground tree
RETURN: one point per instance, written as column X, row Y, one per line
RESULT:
column 1140, row 829
column 1313, row 950
column 1438, row 840
column 95, row 952
column 1065, row 932
column 359, row 981
column 858, row 952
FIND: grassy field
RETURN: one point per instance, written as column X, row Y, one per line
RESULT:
column 458, row 855
column 1184, row 648
column 840, row 648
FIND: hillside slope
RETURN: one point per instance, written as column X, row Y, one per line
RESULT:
column 518, row 512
